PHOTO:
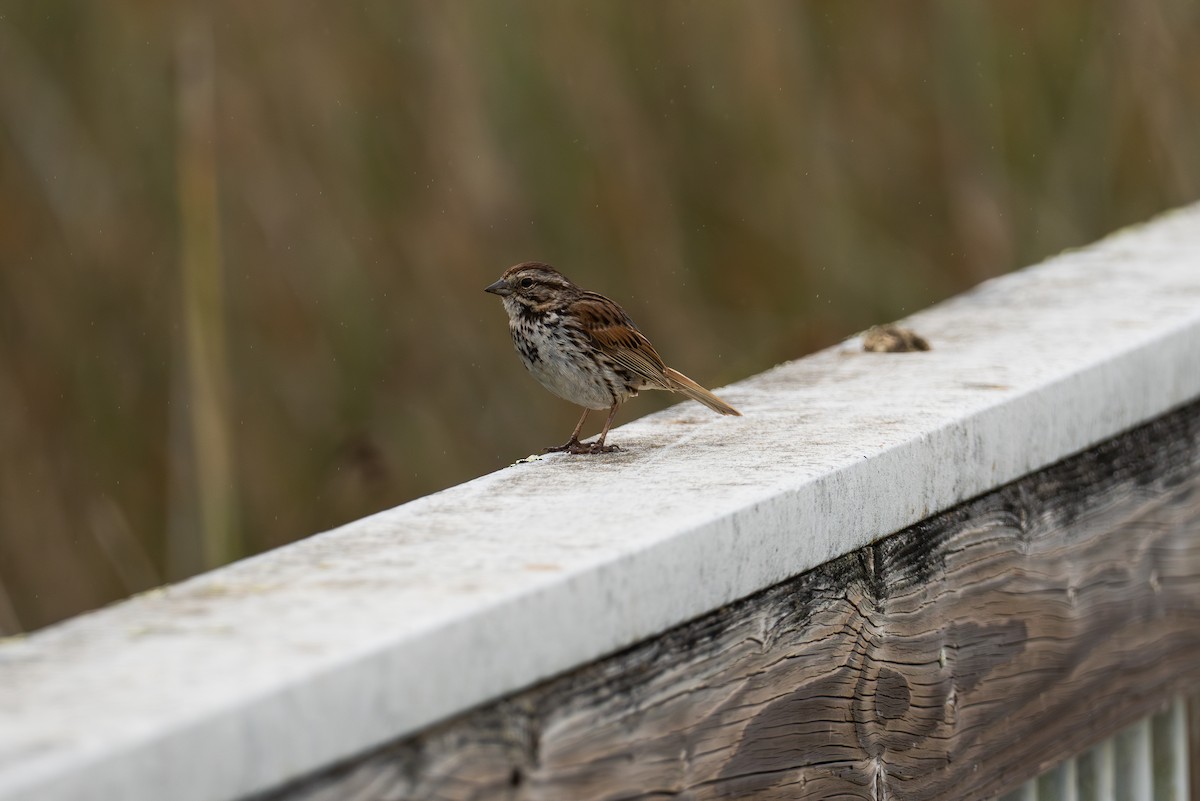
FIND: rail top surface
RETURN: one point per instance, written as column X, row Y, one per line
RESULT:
column 260, row 672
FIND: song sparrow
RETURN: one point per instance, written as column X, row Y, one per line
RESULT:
column 584, row 348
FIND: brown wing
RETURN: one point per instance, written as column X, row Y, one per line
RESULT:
column 616, row 335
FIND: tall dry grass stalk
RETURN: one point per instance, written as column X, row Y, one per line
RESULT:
column 208, row 537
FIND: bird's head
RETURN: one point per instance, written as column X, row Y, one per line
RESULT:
column 533, row 286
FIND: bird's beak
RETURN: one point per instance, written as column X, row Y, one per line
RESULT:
column 499, row 288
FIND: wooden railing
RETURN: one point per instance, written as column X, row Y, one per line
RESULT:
column 927, row 575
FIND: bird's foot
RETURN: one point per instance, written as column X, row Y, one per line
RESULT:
column 576, row 447
column 572, row 445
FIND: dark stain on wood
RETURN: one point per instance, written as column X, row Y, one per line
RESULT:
column 953, row 660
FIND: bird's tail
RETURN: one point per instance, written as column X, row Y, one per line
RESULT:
column 681, row 383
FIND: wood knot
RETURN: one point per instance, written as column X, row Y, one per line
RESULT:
column 892, row 696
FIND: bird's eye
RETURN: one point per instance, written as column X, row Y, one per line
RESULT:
column 526, row 283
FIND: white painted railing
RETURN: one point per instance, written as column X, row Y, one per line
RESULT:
column 279, row 665
column 1149, row 761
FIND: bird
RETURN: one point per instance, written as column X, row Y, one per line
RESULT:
column 584, row 348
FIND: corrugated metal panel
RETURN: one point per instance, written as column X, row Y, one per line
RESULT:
column 1146, row 762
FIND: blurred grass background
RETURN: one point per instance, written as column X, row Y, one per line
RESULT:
column 243, row 245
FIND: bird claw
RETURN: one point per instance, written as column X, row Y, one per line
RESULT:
column 578, row 448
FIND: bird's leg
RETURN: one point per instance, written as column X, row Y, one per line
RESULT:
column 572, row 445
column 598, row 446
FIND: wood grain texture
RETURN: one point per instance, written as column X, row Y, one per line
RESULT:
column 953, row 660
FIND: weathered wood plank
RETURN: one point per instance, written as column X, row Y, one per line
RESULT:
column 953, row 660
column 279, row 666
